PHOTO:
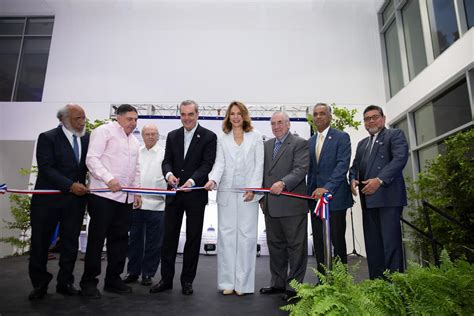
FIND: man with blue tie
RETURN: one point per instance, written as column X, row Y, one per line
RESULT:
column 377, row 173
column 60, row 154
column 286, row 218
column 330, row 154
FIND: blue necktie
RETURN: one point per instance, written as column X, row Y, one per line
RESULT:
column 276, row 148
column 75, row 147
column 365, row 159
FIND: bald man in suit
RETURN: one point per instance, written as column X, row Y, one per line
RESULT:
column 330, row 155
column 286, row 220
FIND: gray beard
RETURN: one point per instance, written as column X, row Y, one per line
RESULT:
column 80, row 133
column 73, row 131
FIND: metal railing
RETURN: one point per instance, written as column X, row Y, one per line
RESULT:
column 434, row 243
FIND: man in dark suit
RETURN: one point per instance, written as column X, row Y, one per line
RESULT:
column 286, row 220
column 189, row 156
column 60, row 154
column 330, row 154
column 377, row 172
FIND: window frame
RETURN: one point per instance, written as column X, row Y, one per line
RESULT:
column 22, row 37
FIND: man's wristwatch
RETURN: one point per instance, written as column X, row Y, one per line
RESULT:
column 380, row 180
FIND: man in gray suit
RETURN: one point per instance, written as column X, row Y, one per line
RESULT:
column 285, row 167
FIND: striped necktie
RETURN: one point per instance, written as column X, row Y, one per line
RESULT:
column 276, row 148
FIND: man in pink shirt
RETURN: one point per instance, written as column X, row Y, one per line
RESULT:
column 112, row 160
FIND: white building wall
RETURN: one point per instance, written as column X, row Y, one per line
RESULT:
column 260, row 52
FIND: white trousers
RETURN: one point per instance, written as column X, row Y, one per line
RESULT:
column 237, row 244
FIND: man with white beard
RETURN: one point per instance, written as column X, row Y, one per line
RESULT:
column 61, row 155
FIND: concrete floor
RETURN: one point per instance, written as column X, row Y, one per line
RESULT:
column 206, row 300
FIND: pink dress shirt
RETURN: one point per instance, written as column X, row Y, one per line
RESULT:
column 113, row 154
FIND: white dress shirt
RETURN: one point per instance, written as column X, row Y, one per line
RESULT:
column 69, row 136
column 188, row 137
column 151, row 176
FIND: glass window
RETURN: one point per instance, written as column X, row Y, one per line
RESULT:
column 387, row 12
column 34, row 60
column 407, row 171
column 449, row 110
column 469, row 6
column 9, row 52
column 11, row 26
column 394, row 64
column 428, row 153
column 444, row 29
column 24, row 57
column 40, row 26
column 403, row 125
column 414, row 42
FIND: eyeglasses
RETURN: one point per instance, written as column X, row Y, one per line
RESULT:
column 372, row 118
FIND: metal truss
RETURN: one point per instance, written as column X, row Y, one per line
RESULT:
column 295, row 111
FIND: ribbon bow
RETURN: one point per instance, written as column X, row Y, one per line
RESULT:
column 322, row 206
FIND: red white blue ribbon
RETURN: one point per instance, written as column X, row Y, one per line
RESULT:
column 4, row 189
column 286, row 193
column 149, row 191
column 322, row 206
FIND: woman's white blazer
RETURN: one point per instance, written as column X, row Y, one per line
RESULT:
column 223, row 170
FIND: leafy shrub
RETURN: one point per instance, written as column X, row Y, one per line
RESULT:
column 444, row 290
column 448, row 184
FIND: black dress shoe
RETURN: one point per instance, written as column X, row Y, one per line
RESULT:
column 90, row 292
column 67, row 289
column 271, row 290
column 130, row 278
column 288, row 295
column 146, row 281
column 38, row 293
column 160, row 287
column 118, row 287
column 187, row 288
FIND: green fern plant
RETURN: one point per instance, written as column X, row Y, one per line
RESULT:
column 444, row 290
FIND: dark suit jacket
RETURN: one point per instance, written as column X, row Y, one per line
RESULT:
column 290, row 165
column 57, row 166
column 196, row 165
column 331, row 171
column 386, row 161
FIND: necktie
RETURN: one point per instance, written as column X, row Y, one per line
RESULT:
column 319, row 145
column 276, row 148
column 365, row 159
column 75, row 147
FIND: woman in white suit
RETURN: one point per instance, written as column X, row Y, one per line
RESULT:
column 239, row 164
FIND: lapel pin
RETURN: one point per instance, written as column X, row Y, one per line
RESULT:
column 198, row 136
column 329, row 137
